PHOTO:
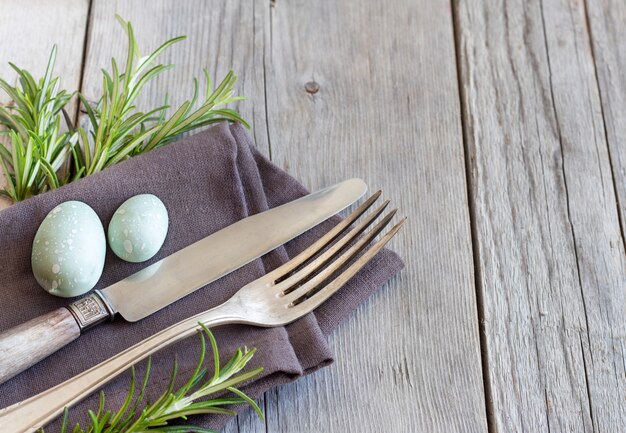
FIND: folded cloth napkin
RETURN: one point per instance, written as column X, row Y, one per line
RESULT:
column 207, row 181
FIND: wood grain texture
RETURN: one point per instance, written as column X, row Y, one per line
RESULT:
column 550, row 251
column 28, row 32
column 607, row 23
column 364, row 89
column 27, row 344
column 37, row 23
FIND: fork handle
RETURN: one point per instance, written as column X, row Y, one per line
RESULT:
column 35, row 412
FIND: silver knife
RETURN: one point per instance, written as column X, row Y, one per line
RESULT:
column 173, row 277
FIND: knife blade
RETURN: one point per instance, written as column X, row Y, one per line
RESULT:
column 173, row 277
column 203, row 262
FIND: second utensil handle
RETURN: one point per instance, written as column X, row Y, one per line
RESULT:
column 28, row 343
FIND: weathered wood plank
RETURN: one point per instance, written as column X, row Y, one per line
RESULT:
column 28, row 33
column 387, row 110
column 550, row 252
column 607, row 21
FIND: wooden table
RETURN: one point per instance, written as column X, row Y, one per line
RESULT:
column 498, row 127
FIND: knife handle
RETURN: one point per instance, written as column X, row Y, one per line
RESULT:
column 28, row 343
column 25, row 345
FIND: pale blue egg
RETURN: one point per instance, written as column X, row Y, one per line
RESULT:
column 138, row 228
column 68, row 250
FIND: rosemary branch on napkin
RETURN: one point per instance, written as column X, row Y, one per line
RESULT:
column 40, row 157
column 189, row 399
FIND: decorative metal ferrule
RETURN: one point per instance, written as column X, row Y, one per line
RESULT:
column 90, row 310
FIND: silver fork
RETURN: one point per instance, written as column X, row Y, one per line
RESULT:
column 277, row 298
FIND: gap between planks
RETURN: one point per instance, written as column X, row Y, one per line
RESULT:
column 480, row 302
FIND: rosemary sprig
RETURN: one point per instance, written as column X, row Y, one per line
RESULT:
column 38, row 150
column 189, row 399
column 120, row 130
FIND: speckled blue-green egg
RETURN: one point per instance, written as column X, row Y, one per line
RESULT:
column 138, row 228
column 69, row 250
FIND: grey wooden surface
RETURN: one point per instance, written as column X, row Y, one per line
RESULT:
column 549, row 248
column 498, row 127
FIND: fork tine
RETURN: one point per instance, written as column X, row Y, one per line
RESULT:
column 324, row 240
column 331, row 288
column 327, row 255
column 344, row 258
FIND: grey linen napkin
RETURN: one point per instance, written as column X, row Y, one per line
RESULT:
column 207, row 181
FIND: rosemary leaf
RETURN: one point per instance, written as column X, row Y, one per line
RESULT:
column 39, row 156
column 172, row 405
column 31, row 166
column 120, row 130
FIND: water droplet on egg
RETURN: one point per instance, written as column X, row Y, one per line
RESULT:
column 56, row 260
column 140, row 232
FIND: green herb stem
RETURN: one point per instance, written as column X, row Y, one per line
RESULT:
column 39, row 156
column 175, row 405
